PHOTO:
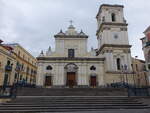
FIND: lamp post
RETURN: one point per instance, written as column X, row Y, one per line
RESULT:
column 8, row 70
column 132, row 65
column 121, row 80
column 124, row 71
column 137, row 72
column 126, row 68
column 18, row 69
column 145, row 76
column 125, row 78
column 148, row 73
column 148, row 77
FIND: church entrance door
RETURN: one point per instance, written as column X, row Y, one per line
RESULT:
column 48, row 81
column 71, row 79
column 93, row 81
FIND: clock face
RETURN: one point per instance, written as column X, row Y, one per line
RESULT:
column 116, row 36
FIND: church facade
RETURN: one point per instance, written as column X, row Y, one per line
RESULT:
column 71, row 65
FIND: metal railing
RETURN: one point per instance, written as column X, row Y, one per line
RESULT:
column 8, row 91
column 143, row 91
column 132, row 90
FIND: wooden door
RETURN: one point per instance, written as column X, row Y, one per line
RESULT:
column 93, row 81
column 71, row 80
column 48, row 81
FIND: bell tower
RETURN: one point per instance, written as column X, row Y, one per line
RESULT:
column 112, row 36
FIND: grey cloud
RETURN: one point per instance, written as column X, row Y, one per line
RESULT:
column 33, row 23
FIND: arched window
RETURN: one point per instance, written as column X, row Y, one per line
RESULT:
column 49, row 67
column 93, row 68
column 118, row 61
column 8, row 62
column 113, row 17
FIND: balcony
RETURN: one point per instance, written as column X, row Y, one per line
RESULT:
column 18, row 68
column 8, row 68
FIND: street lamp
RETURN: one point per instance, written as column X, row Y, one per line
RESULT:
column 146, row 77
column 124, row 70
column 146, row 73
column 8, row 70
column 137, row 72
column 134, row 82
column 18, row 69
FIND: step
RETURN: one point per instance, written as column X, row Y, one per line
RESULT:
column 71, row 104
column 41, row 103
column 77, row 98
column 102, row 100
column 74, row 107
column 68, row 111
column 72, row 101
column 71, row 91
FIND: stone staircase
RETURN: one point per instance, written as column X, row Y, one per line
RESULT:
column 65, row 102
column 72, row 92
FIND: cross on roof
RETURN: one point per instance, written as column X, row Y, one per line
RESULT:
column 71, row 22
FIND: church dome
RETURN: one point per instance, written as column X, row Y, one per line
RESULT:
column 71, row 30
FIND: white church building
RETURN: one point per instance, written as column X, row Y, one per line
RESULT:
column 71, row 65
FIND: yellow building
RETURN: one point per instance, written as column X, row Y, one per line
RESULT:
column 146, row 49
column 26, row 67
column 7, row 65
column 140, row 74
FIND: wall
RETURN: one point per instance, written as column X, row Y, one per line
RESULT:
column 59, row 75
column 63, row 44
column 6, row 55
column 26, row 64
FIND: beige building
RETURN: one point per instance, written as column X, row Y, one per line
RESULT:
column 7, row 65
column 139, row 71
column 72, row 65
column 146, row 49
column 26, row 67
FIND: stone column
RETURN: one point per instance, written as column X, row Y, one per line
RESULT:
column 101, row 75
column 40, row 76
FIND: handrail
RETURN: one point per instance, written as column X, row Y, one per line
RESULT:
column 8, row 91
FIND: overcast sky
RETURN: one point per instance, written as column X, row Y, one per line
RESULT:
column 33, row 23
